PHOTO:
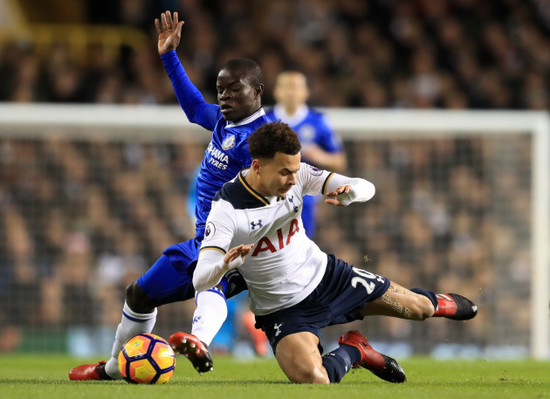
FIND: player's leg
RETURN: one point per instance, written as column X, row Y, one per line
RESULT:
column 381, row 365
column 299, row 357
column 139, row 316
column 210, row 314
column 208, row 318
column 344, row 290
column 293, row 332
column 131, row 324
column 400, row 302
column 418, row 304
column 162, row 283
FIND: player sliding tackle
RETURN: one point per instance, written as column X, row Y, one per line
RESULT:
column 295, row 288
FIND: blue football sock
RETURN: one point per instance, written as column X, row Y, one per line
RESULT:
column 428, row 294
column 339, row 362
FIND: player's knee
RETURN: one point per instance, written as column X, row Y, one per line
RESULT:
column 301, row 371
column 137, row 299
column 309, row 376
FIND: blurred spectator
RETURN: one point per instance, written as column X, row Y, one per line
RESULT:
column 321, row 146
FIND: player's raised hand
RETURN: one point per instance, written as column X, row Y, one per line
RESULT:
column 340, row 196
column 169, row 31
column 237, row 252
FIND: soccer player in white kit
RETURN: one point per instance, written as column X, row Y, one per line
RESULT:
column 295, row 288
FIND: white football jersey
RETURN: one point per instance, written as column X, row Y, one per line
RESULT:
column 284, row 266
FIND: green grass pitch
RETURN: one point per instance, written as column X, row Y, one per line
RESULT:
column 45, row 376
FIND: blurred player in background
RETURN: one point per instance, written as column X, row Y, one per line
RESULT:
column 239, row 112
column 295, row 288
column 321, row 146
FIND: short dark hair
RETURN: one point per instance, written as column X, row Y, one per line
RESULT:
column 250, row 70
column 271, row 138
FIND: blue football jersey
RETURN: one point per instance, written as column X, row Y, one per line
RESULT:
column 170, row 278
column 311, row 126
column 226, row 154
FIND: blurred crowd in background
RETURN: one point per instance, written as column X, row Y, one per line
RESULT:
column 355, row 53
column 81, row 219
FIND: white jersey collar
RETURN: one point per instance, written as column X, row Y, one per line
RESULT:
column 292, row 120
column 258, row 114
column 270, row 199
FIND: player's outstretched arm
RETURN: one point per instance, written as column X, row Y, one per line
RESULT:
column 212, row 265
column 348, row 190
column 336, row 197
column 169, row 31
column 190, row 98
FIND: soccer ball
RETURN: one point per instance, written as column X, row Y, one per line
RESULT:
column 147, row 359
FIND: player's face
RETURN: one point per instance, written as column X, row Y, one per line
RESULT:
column 236, row 97
column 291, row 90
column 278, row 175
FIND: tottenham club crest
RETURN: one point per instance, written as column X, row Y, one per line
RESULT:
column 209, row 230
column 228, row 143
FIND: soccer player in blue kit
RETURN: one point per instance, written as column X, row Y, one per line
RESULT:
column 321, row 146
column 239, row 112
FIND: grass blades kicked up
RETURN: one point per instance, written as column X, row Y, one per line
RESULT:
column 45, row 376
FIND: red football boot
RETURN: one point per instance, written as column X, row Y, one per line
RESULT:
column 455, row 307
column 192, row 348
column 379, row 364
column 88, row 372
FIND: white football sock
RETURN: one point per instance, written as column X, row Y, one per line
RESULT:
column 209, row 315
column 131, row 324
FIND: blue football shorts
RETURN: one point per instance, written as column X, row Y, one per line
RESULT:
column 338, row 299
column 170, row 279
